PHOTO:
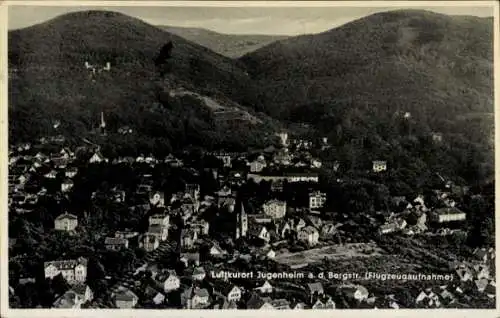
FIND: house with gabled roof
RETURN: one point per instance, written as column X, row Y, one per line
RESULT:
column 73, row 271
column 308, row 235
column 298, row 305
column 195, row 298
column 257, row 302
column 188, row 238
column 201, row 227
column 265, row 288
column 159, row 298
column 448, row 214
column 66, row 222
column 190, row 258
column 314, row 289
column 199, row 273
column 157, row 199
column 323, row 302
column 149, row 242
column 299, row 224
column 116, row 244
column 71, row 172
column 97, row 157
column 280, row 304
column 228, row 290
column 223, row 303
column 283, row 227
column 69, row 300
column 169, row 280
column 216, row 250
column 355, row 292
column 484, row 254
column 159, row 231
column 491, row 289
column 259, row 231
column 428, row 298
column 465, row 274
column 227, row 203
column 275, row 209
column 67, row 185
column 124, row 298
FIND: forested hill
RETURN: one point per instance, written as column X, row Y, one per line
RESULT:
column 49, row 80
column 409, row 60
column 356, row 82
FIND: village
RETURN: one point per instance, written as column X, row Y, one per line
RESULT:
column 256, row 236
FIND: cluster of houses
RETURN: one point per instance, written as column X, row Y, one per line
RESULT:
column 477, row 275
column 447, row 213
column 272, row 223
column 30, row 169
column 198, row 290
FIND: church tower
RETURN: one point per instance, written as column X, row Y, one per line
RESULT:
column 102, row 125
column 241, row 222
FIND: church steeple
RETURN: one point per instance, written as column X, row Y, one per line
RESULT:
column 241, row 222
column 102, row 125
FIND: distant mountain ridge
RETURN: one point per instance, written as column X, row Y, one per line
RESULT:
column 230, row 45
column 394, row 52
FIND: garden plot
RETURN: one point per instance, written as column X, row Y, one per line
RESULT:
column 332, row 252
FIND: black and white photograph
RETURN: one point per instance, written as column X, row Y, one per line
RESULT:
column 258, row 156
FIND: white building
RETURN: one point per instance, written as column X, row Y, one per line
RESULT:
column 275, row 209
column 66, row 222
column 97, row 158
column 258, row 165
column 283, row 138
column 67, row 185
column 448, row 214
column 73, row 271
column 379, row 166
column 316, row 200
column 157, row 199
column 308, row 235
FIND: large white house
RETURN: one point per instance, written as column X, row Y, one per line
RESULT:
column 275, row 209
column 316, row 200
column 66, row 222
column 448, row 214
column 309, row 235
column 74, row 271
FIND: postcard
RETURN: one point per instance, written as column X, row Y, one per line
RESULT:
column 187, row 158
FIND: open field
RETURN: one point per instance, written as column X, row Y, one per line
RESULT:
column 332, row 252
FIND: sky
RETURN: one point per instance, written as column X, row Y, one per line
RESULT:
column 235, row 20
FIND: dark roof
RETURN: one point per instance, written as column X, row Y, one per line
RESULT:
column 125, row 295
column 448, row 210
column 67, row 300
column 66, row 264
column 67, row 216
column 255, row 302
column 224, row 287
column 315, row 287
column 115, row 241
column 198, row 270
column 79, row 289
